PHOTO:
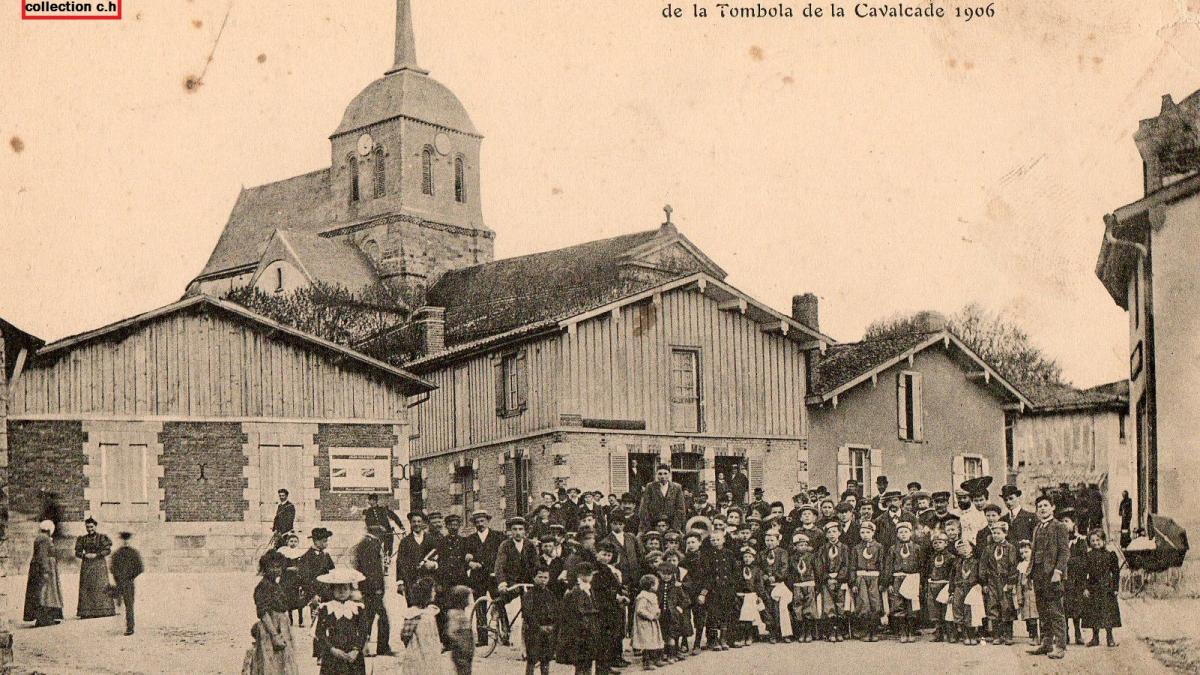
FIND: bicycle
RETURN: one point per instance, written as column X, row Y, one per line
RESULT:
column 496, row 632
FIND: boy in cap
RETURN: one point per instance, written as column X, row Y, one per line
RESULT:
column 902, row 567
column 717, row 594
column 998, row 575
column 866, row 561
column 749, row 587
column 315, row 562
column 808, row 526
column 1073, row 601
column 126, row 568
column 833, row 571
column 849, row 524
column 610, row 598
column 673, row 604
column 983, row 539
column 963, row 581
column 939, row 570
column 803, row 579
column 579, row 621
column 775, row 571
column 539, row 605
column 932, row 518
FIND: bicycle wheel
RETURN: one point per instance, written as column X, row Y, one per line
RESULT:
column 495, row 631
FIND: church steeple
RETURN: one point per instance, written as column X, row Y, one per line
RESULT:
column 406, row 44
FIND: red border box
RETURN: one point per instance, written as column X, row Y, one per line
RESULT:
column 73, row 17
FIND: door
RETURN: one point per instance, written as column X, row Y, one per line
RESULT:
column 280, row 467
column 124, row 484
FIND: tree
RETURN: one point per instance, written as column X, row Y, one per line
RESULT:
column 328, row 311
column 996, row 338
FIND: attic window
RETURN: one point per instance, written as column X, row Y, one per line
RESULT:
column 353, row 179
column 427, row 171
column 909, row 415
column 460, row 180
column 279, row 279
column 380, row 176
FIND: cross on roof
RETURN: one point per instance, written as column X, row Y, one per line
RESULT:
column 668, row 210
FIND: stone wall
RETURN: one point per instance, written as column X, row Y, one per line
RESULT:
column 47, row 456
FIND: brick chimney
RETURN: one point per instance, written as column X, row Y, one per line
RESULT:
column 431, row 322
column 805, row 310
column 930, row 321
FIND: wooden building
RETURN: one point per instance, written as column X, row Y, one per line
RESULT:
column 182, row 423
column 583, row 365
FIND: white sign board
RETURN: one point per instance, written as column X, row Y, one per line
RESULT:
column 360, row 470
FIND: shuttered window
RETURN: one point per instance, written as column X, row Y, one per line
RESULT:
column 511, row 384
column 124, row 471
column 756, row 472
column 618, row 473
column 909, row 415
column 380, row 173
column 685, row 390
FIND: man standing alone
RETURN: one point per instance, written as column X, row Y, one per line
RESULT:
column 1051, row 551
column 126, row 567
column 285, row 519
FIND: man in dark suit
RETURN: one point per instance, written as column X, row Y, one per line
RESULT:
column 662, row 498
column 368, row 559
column 886, row 522
column 382, row 517
column 1021, row 520
column 480, row 549
column 285, row 519
column 739, row 484
column 516, row 563
column 417, row 556
column 1048, row 569
column 630, row 547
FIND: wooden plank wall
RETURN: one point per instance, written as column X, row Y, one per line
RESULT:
column 202, row 365
column 462, row 410
column 753, row 382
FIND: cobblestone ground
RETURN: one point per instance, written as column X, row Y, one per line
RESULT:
column 197, row 624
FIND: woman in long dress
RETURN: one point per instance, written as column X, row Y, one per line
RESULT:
column 93, row 550
column 274, row 651
column 43, row 591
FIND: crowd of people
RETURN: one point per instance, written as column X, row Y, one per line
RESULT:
column 662, row 579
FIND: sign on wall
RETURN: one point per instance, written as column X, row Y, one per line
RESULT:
column 360, row 470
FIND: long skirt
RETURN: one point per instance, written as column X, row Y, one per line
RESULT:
column 1028, row 609
column 94, row 600
column 262, row 659
column 43, row 598
column 868, row 601
column 1102, row 610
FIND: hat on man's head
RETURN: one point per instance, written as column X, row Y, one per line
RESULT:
column 480, row 513
column 951, row 517
column 941, row 496
column 319, row 533
column 547, row 493
column 999, row 525
column 868, row 525
column 834, row 524
column 1065, row 512
column 904, row 525
column 822, row 490
column 920, row 494
column 515, row 520
column 557, row 528
column 798, row 537
column 844, row 507
column 433, row 515
column 890, row 495
column 914, row 485
column 881, row 479
column 125, row 536
column 758, row 491
column 574, row 489
column 808, row 507
column 992, row 508
column 799, row 496
column 650, row 534
column 1009, row 490
column 959, row 492
column 750, row 550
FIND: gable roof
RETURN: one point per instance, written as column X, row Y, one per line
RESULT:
column 409, row 383
column 1061, row 398
column 301, row 203
column 845, row 366
column 332, row 261
column 496, row 297
column 15, row 340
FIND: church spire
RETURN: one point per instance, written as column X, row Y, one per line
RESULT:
column 406, row 44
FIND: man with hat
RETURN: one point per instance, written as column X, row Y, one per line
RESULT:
column 1048, row 571
column 565, row 511
column 1021, row 521
column 881, row 489
column 833, row 569
column 315, row 562
column 381, row 518
column 590, row 505
column 886, row 522
column 480, row 549
column 516, row 562
column 367, row 556
column 759, row 504
column 973, row 519
column 702, row 507
column 452, row 567
column 913, row 488
column 538, row 522
column 739, row 484
column 932, row 518
column 849, row 523
column 962, row 501
column 418, row 552
column 662, row 498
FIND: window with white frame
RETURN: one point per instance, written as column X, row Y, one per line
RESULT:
column 685, row 390
column 860, row 465
column 909, row 416
column 972, row 468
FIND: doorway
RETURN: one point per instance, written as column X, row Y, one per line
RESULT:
column 726, row 469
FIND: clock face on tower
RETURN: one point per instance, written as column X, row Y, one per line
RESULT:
column 365, row 144
column 441, row 143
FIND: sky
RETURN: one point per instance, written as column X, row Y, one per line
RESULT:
column 886, row 165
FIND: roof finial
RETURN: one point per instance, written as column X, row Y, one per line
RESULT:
column 667, row 210
column 406, row 44
column 668, row 227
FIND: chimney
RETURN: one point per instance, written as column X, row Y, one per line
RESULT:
column 431, row 322
column 804, row 310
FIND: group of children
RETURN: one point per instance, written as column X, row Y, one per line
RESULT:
column 734, row 583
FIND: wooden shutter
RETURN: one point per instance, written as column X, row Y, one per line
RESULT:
column 987, row 471
column 843, row 468
column 876, row 457
column 901, row 406
column 756, row 472
column 918, row 410
column 618, row 473
column 498, row 369
column 522, row 366
column 958, row 471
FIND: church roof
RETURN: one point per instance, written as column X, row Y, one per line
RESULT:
column 332, row 261
column 300, row 203
column 406, row 93
column 495, row 297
